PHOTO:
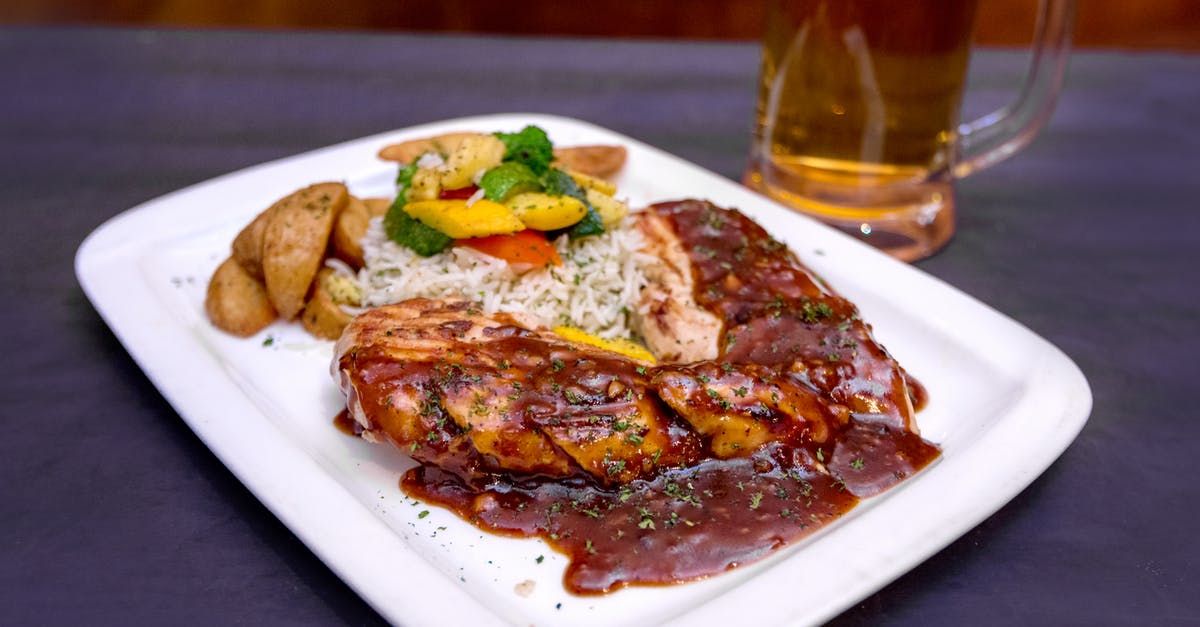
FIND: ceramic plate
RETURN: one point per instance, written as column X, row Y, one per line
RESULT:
column 1004, row 404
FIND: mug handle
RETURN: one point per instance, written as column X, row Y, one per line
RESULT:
column 997, row 135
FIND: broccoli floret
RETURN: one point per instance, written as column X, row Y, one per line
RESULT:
column 404, row 177
column 407, row 231
column 530, row 147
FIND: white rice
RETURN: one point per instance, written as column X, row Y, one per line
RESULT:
column 595, row 289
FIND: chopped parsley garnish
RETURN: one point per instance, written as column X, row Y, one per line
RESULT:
column 713, row 220
column 815, row 312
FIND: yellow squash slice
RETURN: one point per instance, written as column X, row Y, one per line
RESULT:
column 624, row 347
column 456, row 219
column 545, row 212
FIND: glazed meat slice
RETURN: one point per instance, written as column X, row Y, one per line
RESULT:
column 739, row 408
column 768, row 309
column 478, row 394
column 405, row 381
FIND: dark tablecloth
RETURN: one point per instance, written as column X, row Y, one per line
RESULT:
column 113, row 512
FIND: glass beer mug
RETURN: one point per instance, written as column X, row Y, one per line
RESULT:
column 858, row 123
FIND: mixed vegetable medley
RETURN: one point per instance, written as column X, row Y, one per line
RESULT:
column 502, row 194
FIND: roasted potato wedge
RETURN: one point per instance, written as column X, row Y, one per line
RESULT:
column 248, row 245
column 294, row 243
column 378, row 207
column 405, row 152
column 323, row 315
column 236, row 302
column 599, row 161
column 348, row 231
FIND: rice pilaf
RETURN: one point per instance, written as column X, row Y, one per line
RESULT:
column 594, row 290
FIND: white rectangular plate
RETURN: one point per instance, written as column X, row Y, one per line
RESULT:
column 1005, row 403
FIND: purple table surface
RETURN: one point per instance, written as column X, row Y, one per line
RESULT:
column 115, row 513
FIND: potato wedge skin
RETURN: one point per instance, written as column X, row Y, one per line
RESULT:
column 348, row 231
column 406, row 152
column 236, row 302
column 599, row 161
column 294, row 243
column 248, row 245
column 377, row 207
column 322, row 315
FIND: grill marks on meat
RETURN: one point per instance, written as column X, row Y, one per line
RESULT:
column 668, row 318
column 771, row 310
column 476, row 395
column 740, row 408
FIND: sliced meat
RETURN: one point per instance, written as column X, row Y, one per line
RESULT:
column 760, row 306
column 739, row 408
column 774, row 357
column 674, row 327
column 478, row 394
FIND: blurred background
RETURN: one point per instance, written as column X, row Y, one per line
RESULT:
column 1170, row 24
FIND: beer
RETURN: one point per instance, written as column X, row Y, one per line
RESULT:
column 858, row 102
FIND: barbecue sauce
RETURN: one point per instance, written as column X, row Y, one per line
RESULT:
column 685, row 524
column 690, row 515
column 344, row 423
